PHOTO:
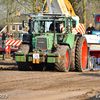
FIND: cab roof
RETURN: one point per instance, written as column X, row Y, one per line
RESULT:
column 48, row 16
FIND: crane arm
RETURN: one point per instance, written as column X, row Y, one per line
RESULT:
column 65, row 9
column 69, row 7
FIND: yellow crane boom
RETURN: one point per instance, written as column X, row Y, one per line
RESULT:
column 64, row 5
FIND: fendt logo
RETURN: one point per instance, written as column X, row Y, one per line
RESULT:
column 41, row 42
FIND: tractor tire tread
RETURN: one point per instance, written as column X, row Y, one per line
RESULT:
column 78, row 54
column 72, row 56
column 60, row 66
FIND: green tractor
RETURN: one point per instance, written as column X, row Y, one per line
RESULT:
column 56, row 47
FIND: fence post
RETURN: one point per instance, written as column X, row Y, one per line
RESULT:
column 9, row 49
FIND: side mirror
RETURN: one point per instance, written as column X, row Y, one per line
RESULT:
column 74, row 23
column 31, row 26
column 24, row 23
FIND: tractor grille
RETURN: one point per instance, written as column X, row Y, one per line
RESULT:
column 42, row 43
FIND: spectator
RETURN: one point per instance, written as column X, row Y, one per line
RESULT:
column 90, row 29
column 3, row 38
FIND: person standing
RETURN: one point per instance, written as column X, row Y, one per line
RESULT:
column 3, row 38
column 90, row 29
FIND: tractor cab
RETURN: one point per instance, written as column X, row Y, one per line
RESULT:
column 49, row 29
column 42, row 23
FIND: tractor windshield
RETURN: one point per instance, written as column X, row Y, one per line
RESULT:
column 47, row 26
column 42, row 26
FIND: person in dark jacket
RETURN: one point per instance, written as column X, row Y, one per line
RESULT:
column 3, row 38
column 51, row 28
column 90, row 29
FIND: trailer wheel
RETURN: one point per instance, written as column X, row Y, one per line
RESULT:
column 72, row 56
column 90, row 63
column 24, row 48
column 25, row 66
column 64, row 63
column 95, row 64
column 81, row 54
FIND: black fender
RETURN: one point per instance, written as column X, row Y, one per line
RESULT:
column 62, row 43
column 26, row 42
column 77, row 35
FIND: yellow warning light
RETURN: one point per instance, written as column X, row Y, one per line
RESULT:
column 30, row 16
column 70, row 9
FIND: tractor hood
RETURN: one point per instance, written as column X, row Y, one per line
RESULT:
column 44, row 42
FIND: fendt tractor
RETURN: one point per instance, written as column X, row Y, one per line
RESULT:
column 57, row 47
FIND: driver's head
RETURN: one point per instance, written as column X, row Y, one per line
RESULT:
column 53, row 22
column 90, row 25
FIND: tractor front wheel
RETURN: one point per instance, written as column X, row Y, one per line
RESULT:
column 24, row 48
column 64, row 63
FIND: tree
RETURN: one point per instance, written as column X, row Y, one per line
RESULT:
column 85, row 8
column 78, row 8
column 93, row 6
column 31, row 5
column 8, row 9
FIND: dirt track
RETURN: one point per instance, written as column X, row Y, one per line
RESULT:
column 48, row 85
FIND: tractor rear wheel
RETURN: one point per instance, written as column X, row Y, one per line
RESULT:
column 95, row 64
column 81, row 54
column 64, row 63
column 24, row 66
column 24, row 48
column 72, row 56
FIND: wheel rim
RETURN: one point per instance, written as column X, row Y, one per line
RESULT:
column 67, row 59
column 84, row 55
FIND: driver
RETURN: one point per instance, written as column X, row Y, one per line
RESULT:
column 51, row 28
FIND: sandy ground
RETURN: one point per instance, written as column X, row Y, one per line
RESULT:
column 47, row 85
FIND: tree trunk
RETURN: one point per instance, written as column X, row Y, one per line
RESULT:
column 84, row 12
column 93, row 10
column 7, row 16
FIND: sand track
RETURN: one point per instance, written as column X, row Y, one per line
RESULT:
column 47, row 85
